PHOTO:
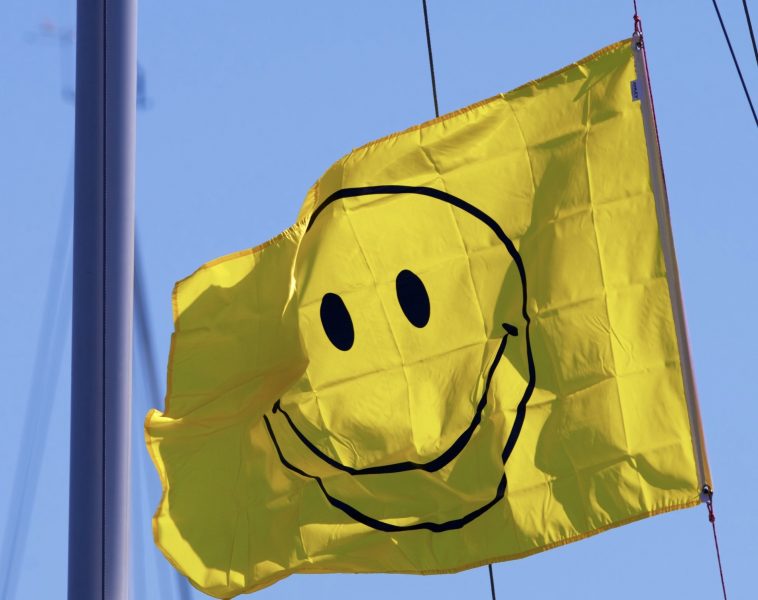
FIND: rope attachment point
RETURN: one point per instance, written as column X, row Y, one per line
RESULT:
column 637, row 21
column 637, row 28
column 707, row 495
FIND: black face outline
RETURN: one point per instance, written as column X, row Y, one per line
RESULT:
column 460, row 443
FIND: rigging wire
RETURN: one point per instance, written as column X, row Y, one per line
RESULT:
column 712, row 518
column 750, row 28
column 734, row 58
column 141, row 545
column 431, row 59
column 143, row 334
column 138, row 538
column 437, row 114
column 492, row 582
column 707, row 492
column 51, row 349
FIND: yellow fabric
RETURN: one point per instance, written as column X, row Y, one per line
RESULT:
column 560, row 168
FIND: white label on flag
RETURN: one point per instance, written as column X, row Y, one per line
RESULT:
column 635, row 91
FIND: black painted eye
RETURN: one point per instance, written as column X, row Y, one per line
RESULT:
column 337, row 322
column 412, row 296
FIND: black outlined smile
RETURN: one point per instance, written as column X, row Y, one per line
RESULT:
column 433, row 465
column 343, row 340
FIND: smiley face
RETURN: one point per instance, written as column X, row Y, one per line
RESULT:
column 412, row 310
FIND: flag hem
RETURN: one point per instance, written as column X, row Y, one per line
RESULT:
column 503, row 95
column 305, row 570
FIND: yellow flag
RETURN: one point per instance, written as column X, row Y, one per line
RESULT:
column 469, row 348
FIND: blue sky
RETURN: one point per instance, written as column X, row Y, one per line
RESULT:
column 248, row 103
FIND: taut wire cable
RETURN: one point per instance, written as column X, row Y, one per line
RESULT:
column 492, row 582
column 707, row 492
column 750, row 28
column 437, row 114
column 145, row 350
column 48, row 360
column 712, row 518
column 736, row 64
column 431, row 60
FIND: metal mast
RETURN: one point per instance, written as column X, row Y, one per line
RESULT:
column 106, row 79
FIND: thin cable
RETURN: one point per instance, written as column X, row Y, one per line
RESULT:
column 736, row 64
column 143, row 327
column 492, row 582
column 146, row 354
column 706, row 489
column 431, row 60
column 750, row 27
column 49, row 358
column 712, row 518
column 437, row 114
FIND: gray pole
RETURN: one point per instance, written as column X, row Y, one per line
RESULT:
column 106, row 79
